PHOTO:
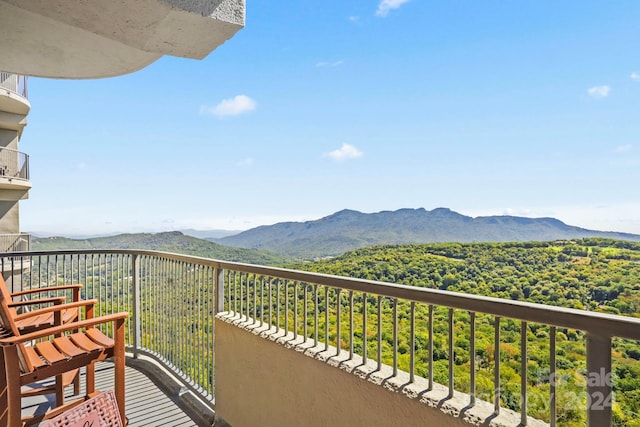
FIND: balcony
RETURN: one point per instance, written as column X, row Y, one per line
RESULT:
column 14, row 105
column 14, row 169
column 19, row 242
column 14, row 83
column 268, row 346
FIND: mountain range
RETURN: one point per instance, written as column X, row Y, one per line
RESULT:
column 171, row 241
column 348, row 229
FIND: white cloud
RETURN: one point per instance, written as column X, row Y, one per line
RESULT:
column 245, row 162
column 347, row 151
column 328, row 64
column 635, row 76
column 235, row 106
column 386, row 6
column 599, row 91
column 354, row 18
column 623, row 148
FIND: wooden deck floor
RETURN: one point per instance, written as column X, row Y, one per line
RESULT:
column 146, row 404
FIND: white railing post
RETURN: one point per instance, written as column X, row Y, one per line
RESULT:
column 599, row 381
column 135, row 261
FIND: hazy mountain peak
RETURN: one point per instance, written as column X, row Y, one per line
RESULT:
column 349, row 229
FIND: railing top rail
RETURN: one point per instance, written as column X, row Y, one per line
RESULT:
column 13, row 150
column 602, row 324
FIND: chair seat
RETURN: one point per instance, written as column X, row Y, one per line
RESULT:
column 46, row 354
column 46, row 320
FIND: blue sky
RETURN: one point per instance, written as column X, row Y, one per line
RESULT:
column 528, row 108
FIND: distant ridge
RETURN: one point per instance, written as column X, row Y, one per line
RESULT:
column 171, row 241
column 348, row 229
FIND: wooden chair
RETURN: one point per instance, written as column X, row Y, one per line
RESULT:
column 57, row 350
column 36, row 319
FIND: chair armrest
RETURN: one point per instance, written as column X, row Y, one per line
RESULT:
column 51, row 288
column 54, row 300
column 56, row 308
column 56, row 330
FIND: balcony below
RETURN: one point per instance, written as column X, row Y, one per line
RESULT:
column 17, row 242
column 14, row 171
column 14, row 104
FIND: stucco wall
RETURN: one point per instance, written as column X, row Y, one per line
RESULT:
column 266, row 379
column 9, row 217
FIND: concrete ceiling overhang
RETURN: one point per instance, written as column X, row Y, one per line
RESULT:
column 103, row 38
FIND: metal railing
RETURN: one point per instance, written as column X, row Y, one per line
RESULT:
column 14, row 82
column 173, row 300
column 20, row 242
column 14, row 164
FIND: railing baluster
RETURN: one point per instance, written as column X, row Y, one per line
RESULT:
column 326, row 318
column 552, row 376
column 315, row 325
column 136, row 307
column 235, row 293
column 163, row 269
column 379, row 356
column 472, row 358
column 173, row 305
column 395, row 337
column 204, row 289
column 248, row 296
column 48, row 274
column 261, row 301
column 306, row 312
column 270, row 282
column 430, row 346
column 255, row 299
column 364, row 328
column 181, row 296
column 218, row 290
column 64, row 271
column 451, row 353
column 230, row 290
column 523, row 373
column 496, row 374
column 286, row 307
column 412, row 343
column 242, row 279
column 351, row 325
column 295, row 310
column 278, row 305
column 93, row 275
column 338, row 324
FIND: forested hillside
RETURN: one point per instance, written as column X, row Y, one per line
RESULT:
column 173, row 241
column 591, row 274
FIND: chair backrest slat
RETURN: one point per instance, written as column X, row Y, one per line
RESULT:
column 6, row 295
column 8, row 324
